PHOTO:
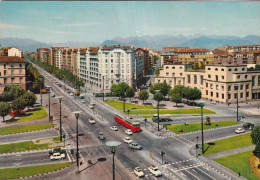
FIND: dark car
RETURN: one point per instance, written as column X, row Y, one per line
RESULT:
column 101, row 136
column 247, row 125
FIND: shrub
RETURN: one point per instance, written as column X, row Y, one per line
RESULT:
column 207, row 122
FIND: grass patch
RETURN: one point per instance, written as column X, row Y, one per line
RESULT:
column 175, row 111
column 12, row 173
column 33, row 114
column 238, row 163
column 13, row 130
column 197, row 126
column 119, row 105
column 56, row 139
column 229, row 143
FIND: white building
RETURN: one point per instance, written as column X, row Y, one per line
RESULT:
column 10, row 51
column 108, row 65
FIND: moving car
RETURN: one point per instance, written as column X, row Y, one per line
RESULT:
column 135, row 146
column 83, row 100
column 239, row 130
column 247, row 125
column 57, row 156
column 127, row 140
column 139, row 172
column 71, row 94
column 91, row 121
column 114, row 128
column 154, row 170
column 128, row 132
column 57, row 150
column 101, row 136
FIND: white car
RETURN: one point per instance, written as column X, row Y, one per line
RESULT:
column 154, row 170
column 114, row 128
column 71, row 94
column 127, row 140
column 128, row 132
column 240, row 130
column 139, row 172
column 91, row 121
column 57, row 156
column 83, row 100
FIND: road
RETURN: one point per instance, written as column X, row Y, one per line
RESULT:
column 181, row 165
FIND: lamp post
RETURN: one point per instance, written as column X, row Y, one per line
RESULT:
column 49, row 106
column 157, row 92
column 236, row 85
column 145, row 120
column 197, row 146
column 113, row 145
column 77, row 129
column 60, row 98
column 103, row 90
column 162, row 153
column 128, row 111
column 201, row 104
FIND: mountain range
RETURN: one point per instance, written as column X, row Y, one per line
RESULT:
column 152, row 42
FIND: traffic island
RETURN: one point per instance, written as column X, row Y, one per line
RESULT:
column 31, row 171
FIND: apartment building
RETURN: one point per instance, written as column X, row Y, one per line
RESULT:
column 220, row 83
column 12, row 71
column 10, row 51
column 146, row 60
column 43, row 54
column 106, row 65
column 240, row 48
column 55, row 58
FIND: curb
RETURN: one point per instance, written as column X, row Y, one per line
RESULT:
column 27, row 131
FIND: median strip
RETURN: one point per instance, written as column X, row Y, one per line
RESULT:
column 28, row 128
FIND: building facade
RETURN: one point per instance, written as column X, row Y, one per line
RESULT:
column 220, row 83
column 10, row 51
column 12, row 71
column 100, row 67
column 43, row 54
column 56, row 55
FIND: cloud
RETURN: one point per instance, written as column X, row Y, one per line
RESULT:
column 11, row 26
column 78, row 25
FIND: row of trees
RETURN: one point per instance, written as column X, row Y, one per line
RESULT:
column 122, row 90
column 15, row 98
column 62, row 74
column 33, row 75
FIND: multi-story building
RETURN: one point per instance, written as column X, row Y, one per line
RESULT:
column 10, row 51
column 43, row 54
column 103, row 66
column 240, row 48
column 222, row 57
column 146, row 60
column 217, row 83
column 12, row 71
column 55, row 58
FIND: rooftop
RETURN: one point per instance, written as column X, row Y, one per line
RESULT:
column 11, row 59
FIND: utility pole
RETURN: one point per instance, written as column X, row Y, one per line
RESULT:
column 103, row 90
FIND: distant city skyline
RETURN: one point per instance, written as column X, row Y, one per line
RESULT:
column 94, row 21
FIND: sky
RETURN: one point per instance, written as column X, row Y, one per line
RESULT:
column 95, row 21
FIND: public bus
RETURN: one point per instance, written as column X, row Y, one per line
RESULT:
column 128, row 122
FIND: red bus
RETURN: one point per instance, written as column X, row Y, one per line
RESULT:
column 128, row 123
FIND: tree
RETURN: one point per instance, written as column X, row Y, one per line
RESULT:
column 176, row 97
column 255, row 135
column 192, row 94
column 130, row 92
column 158, row 96
column 29, row 98
column 157, row 71
column 18, row 104
column 5, row 109
column 120, row 90
column 163, row 87
column 207, row 121
column 256, row 151
column 178, row 89
column 143, row 95
column 113, row 88
column 12, row 92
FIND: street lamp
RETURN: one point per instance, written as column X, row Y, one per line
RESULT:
column 77, row 129
column 113, row 145
column 157, row 94
column 145, row 120
column 236, row 85
column 201, row 105
column 197, row 146
column 60, row 98
column 49, row 106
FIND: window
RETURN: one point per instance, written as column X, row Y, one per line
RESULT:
column 222, row 70
column 241, row 87
column 229, row 69
column 209, row 76
column 206, row 92
column 4, row 72
column 20, row 65
column 106, row 60
column 173, row 67
column 167, row 74
column 243, row 69
column 21, row 79
column 235, row 87
column 217, row 95
column 241, row 95
column 246, row 76
column 180, row 74
column 222, row 88
column 180, row 67
column 111, row 60
column 235, row 95
column 253, row 80
column 112, row 71
column 211, row 86
column 167, row 67
column 216, row 69
column 208, row 68
column 229, row 88
column 216, row 77
column 229, row 96
column 216, row 87
column 238, row 77
column 12, row 72
column 188, row 78
column 173, row 74
column 5, row 80
column 211, row 94
column 195, row 79
column 12, row 80
column 222, row 96
column 4, row 66
column 223, row 77
column 235, row 69
column 247, row 86
column 206, row 84
column 247, row 94
column 258, row 80
column 201, row 80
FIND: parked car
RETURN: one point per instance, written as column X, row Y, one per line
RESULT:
column 91, row 121
column 239, row 130
column 246, row 125
column 114, row 128
column 57, row 150
column 154, row 170
column 128, row 132
column 57, row 156
column 101, row 136
column 83, row 100
column 135, row 146
column 139, row 172
column 127, row 140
